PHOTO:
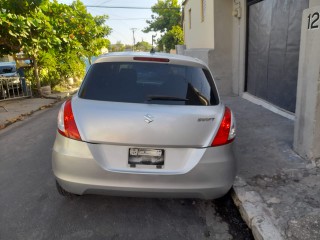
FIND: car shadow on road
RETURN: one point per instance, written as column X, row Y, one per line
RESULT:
column 153, row 218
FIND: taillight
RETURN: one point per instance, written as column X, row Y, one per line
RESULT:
column 66, row 123
column 227, row 130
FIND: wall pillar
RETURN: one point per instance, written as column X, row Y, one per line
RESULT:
column 180, row 49
column 239, row 46
column 307, row 124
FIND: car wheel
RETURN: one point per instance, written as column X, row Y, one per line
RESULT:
column 63, row 192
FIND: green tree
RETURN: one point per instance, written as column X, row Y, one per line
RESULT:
column 168, row 14
column 118, row 47
column 143, row 46
column 51, row 28
column 56, row 68
column 29, row 33
column 171, row 38
column 89, row 30
column 167, row 20
column 18, row 6
column 127, row 47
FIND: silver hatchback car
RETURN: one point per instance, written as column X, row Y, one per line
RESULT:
column 148, row 125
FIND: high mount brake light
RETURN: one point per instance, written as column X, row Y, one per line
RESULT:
column 227, row 130
column 66, row 123
column 151, row 59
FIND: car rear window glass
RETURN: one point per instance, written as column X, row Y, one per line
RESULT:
column 7, row 69
column 153, row 83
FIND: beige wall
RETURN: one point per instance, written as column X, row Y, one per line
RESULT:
column 314, row 3
column 221, row 57
column 6, row 58
column 226, row 54
column 201, row 33
column 211, row 40
column 239, row 47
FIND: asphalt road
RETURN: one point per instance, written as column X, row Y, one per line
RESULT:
column 31, row 208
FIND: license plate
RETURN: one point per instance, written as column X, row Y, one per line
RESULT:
column 146, row 156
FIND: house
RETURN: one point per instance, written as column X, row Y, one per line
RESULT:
column 252, row 46
column 266, row 51
column 6, row 58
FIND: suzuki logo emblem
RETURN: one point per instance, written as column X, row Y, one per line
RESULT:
column 148, row 118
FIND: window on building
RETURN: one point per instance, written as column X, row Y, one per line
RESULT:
column 190, row 18
column 203, row 9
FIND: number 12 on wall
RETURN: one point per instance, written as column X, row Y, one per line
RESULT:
column 313, row 20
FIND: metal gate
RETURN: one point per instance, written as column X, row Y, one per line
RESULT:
column 14, row 87
column 273, row 45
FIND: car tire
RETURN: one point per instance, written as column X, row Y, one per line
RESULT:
column 63, row 192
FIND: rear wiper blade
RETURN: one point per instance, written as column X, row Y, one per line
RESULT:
column 165, row 98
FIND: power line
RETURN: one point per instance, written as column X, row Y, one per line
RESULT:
column 105, row 2
column 110, row 19
column 123, row 7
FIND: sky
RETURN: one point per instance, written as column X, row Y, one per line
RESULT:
column 123, row 20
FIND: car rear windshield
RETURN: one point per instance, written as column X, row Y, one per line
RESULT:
column 152, row 83
column 7, row 69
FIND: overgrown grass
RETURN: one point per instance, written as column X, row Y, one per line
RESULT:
column 66, row 87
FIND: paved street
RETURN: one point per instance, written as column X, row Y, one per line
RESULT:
column 30, row 207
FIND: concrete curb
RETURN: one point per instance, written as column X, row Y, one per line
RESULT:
column 254, row 212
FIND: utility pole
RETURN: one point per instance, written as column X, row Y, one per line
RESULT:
column 134, row 40
column 153, row 40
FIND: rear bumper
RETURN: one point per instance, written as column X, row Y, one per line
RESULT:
column 78, row 172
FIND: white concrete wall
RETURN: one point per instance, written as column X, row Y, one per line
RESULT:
column 201, row 33
column 307, row 124
column 200, row 53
